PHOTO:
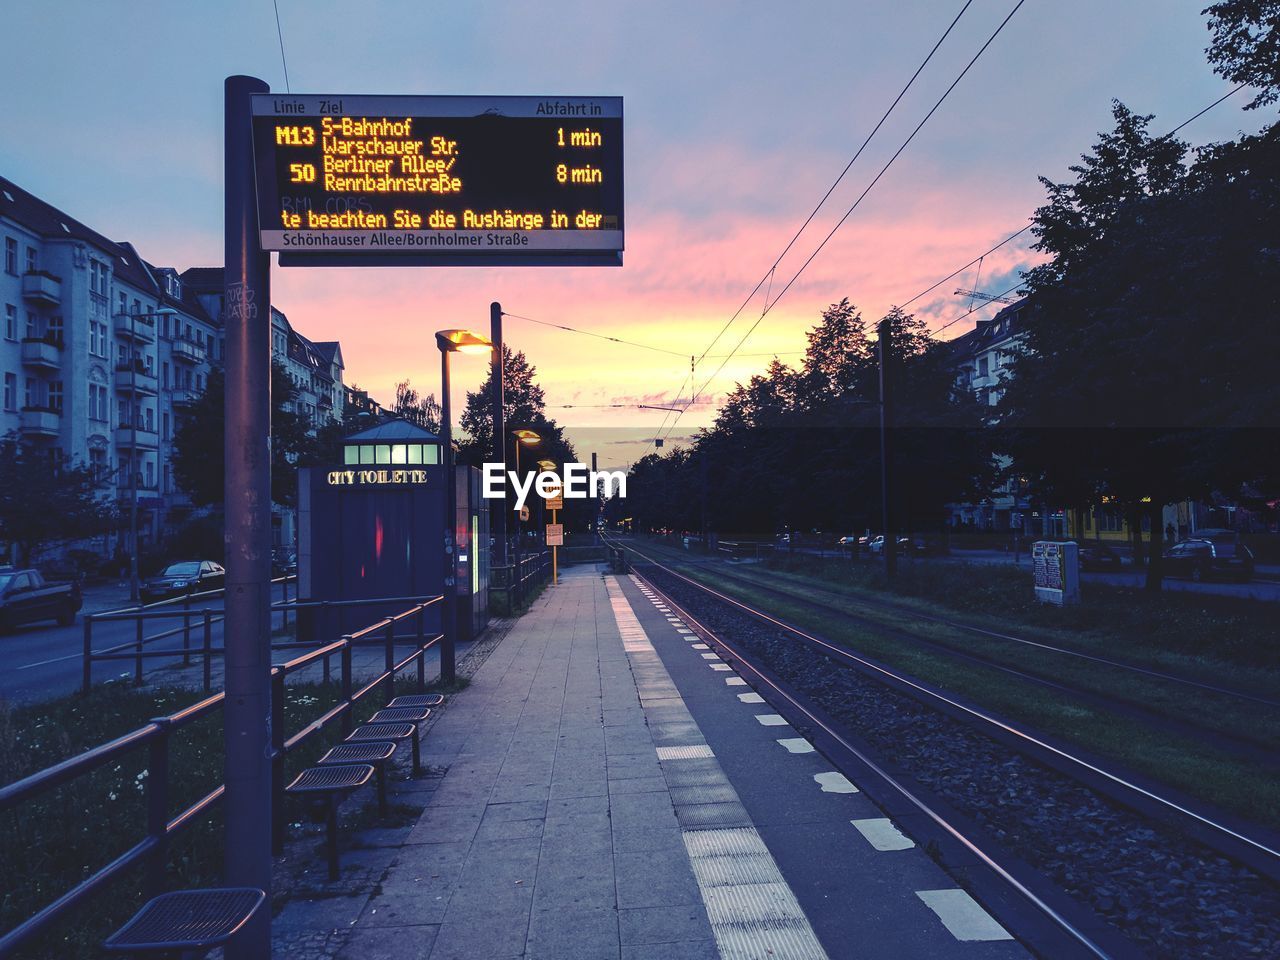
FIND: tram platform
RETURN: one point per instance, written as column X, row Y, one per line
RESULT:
column 604, row 788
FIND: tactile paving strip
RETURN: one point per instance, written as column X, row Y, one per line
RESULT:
column 753, row 912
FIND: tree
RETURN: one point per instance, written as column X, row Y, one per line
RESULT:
column 524, row 405
column 800, row 449
column 423, row 411
column 1141, row 379
column 1246, row 45
column 45, row 499
column 198, row 454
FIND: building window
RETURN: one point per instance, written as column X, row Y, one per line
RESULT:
column 32, row 325
column 122, row 307
column 165, row 420
column 97, row 339
column 29, row 388
column 98, row 275
column 11, row 256
column 55, row 396
column 10, row 391
column 164, row 373
column 10, row 322
column 168, row 485
column 982, row 366
column 31, row 259
column 98, row 464
column 55, row 330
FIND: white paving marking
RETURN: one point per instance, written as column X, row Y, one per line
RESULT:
column 962, row 915
column 834, row 782
column 720, row 666
column 701, row 646
column 751, row 697
column 711, row 656
column 693, row 752
column 771, row 720
column 735, row 682
column 683, row 630
column 797, row 745
column 882, row 834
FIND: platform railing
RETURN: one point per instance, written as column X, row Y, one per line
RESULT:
column 201, row 619
column 516, row 585
column 156, row 737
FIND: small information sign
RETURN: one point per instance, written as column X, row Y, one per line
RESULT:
column 1055, row 565
column 555, row 534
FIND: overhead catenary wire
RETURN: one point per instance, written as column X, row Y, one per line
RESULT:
column 883, row 170
column 280, row 34
column 768, row 276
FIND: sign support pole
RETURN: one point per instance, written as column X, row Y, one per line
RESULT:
column 555, row 555
column 247, row 659
column 498, row 517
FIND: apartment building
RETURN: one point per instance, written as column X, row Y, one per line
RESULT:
column 99, row 347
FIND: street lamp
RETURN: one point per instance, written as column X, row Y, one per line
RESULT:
column 530, row 438
column 134, row 408
column 451, row 341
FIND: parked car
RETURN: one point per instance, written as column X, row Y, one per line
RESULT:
column 876, row 544
column 183, row 577
column 26, row 596
column 1210, row 555
column 284, row 563
column 1098, row 558
column 850, row 543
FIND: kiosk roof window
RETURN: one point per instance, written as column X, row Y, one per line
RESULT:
column 351, row 454
column 398, row 453
column 366, row 453
column 383, row 454
column 430, row 453
column 414, row 451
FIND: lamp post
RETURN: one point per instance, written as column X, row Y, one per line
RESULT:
column 451, row 341
column 134, row 408
column 530, row 438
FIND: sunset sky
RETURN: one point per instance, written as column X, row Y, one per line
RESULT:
column 738, row 117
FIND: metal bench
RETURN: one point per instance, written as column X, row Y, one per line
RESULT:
column 330, row 784
column 415, row 715
column 375, row 753
column 418, row 700
column 392, row 732
column 187, row 924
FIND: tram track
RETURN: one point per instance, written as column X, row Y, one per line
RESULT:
column 1163, row 877
column 1262, row 750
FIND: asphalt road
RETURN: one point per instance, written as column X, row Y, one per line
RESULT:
column 43, row 660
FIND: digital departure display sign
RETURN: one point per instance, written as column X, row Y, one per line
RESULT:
column 440, row 179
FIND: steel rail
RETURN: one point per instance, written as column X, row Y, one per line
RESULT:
column 893, row 782
column 985, row 718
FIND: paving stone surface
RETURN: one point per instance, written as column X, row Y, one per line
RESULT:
column 547, row 828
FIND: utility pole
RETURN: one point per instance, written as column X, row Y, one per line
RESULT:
column 498, row 517
column 247, row 656
column 595, row 509
column 887, row 370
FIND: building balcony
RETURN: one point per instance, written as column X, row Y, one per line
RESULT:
column 141, row 438
column 136, row 379
column 189, row 351
column 41, row 287
column 41, row 422
column 42, row 352
column 136, row 327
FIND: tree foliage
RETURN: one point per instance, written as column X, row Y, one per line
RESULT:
column 198, row 452
column 798, row 449
column 45, row 499
column 1245, row 45
column 1142, row 377
column 419, row 409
